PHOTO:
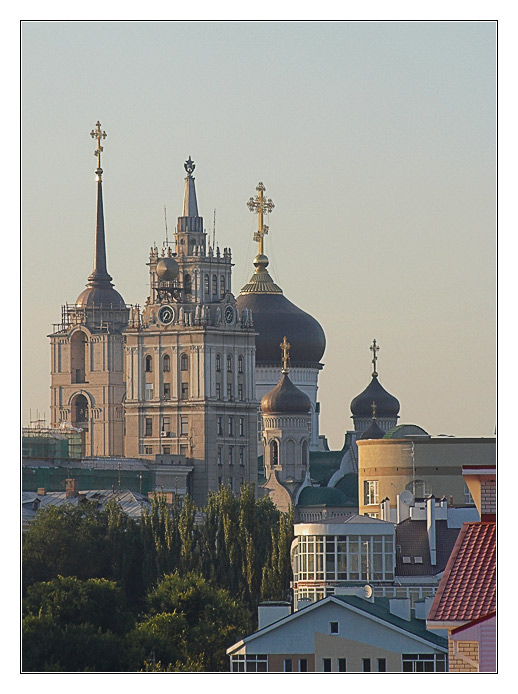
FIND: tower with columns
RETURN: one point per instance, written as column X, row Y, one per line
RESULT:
column 87, row 351
column 190, row 362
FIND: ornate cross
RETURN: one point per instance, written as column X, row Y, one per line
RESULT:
column 98, row 135
column 374, row 349
column 261, row 205
column 285, row 346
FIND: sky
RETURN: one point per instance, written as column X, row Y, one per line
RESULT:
column 375, row 140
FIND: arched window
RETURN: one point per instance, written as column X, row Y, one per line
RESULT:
column 274, row 452
column 191, row 246
column 78, row 348
column 218, row 362
column 207, row 285
column 222, row 285
column 184, row 362
column 166, row 363
column 149, row 363
column 80, row 410
column 240, row 364
column 187, row 283
column 305, row 453
column 229, row 363
column 214, row 285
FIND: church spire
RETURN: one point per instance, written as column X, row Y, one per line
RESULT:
column 190, row 204
column 99, row 276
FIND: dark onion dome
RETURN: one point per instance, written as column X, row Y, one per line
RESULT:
column 107, row 297
column 373, row 432
column 386, row 404
column 285, row 398
column 323, row 496
column 274, row 317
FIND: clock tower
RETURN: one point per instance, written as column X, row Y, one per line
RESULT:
column 190, row 363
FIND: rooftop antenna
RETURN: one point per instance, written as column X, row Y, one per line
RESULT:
column 214, row 230
column 166, row 237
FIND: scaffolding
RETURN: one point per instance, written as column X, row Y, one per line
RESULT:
column 51, row 443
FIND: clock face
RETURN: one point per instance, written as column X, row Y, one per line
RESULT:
column 229, row 314
column 166, row 315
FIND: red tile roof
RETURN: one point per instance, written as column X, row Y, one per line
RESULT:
column 467, row 589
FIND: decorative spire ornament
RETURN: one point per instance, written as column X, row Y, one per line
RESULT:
column 99, row 135
column 374, row 349
column 285, row 347
column 261, row 206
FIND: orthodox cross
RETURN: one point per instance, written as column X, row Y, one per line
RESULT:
column 374, row 349
column 261, row 205
column 285, row 346
column 98, row 135
column 189, row 166
column 373, row 409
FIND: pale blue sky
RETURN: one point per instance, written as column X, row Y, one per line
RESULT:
column 376, row 141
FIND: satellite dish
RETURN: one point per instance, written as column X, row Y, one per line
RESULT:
column 406, row 497
column 367, row 591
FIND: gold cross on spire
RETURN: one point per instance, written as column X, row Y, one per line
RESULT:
column 373, row 409
column 285, row 346
column 374, row 349
column 261, row 205
column 99, row 135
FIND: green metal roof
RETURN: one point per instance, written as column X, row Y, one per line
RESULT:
column 403, row 430
column 323, row 496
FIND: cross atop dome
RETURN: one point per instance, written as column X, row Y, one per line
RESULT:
column 374, row 349
column 285, row 347
column 261, row 206
column 99, row 135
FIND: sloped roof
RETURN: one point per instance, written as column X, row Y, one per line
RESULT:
column 412, row 537
column 131, row 503
column 323, row 464
column 323, row 496
column 467, row 589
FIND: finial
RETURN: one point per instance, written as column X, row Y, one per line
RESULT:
column 373, row 409
column 374, row 349
column 98, row 135
column 285, row 347
column 261, row 205
column 189, row 166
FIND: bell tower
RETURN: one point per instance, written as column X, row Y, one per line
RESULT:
column 87, row 350
column 190, row 362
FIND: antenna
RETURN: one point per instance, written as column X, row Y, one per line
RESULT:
column 214, row 230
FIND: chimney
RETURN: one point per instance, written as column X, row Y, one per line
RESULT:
column 72, row 488
column 403, row 509
column 270, row 612
column 400, row 607
column 385, row 509
column 430, row 528
column 41, row 491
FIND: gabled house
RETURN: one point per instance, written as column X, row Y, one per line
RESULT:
column 343, row 633
column 465, row 602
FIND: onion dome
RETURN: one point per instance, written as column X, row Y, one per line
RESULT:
column 285, row 398
column 273, row 314
column 375, row 401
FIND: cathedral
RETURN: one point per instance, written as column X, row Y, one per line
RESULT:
column 196, row 378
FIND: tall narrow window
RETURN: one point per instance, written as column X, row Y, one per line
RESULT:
column 231, row 455
column 148, row 427
column 148, row 393
column 240, row 392
column 241, row 426
column 342, row 665
column 370, row 492
column 229, row 363
column 366, row 664
column 185, row 391
column 166, row 425
column 303, row 665
column 326, row 664
column 288, row 665
column 222, row 285
column 219, row 425
column 240, row 364
column 218, row 362
column 149, row 363
column 382, row 665
column 229, row 392
column 167, row 391
column 184, row 425
column 207, row 284
column 187, row 285
column 231, row 426
column 184, row 362
column 241, row 455
column 166, row 363
column 214, row 285
column 218, row 391
column 274, row 452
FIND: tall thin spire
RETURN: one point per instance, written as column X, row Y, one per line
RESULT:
column 99, row 276
column 190, row 204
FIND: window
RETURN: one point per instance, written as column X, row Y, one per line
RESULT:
column 382, row 665
column 424, row 662
column 326, row 664
column 370, row 492
column 167, row 391
column 333, row 627
column 218, row 362
column 241, row 426
column 274, row 453
column 222, row 285
column 249, row 663
column 288, row 665
column 184, row 425
column 231, row 455
column 214, row 285
column 206, row 284
column 342, row 665
column 219, row 425
column 149, row 364
column 229, row 363
column 184, row 362
column 148, row 427
column 166, row 424
column 148, row 393
column 366, row 664
column 166, row 450
column 231, row 426
column 229, row 392
column 185, row 391
column 218, row 391
column 148, row 450
column 220, row 455
column 231, row 483
column 468, row 499
column 240, row 392
column 303, row 664
column 187, row 284
column 241, row 455
column 240, row 364
column 166, row 363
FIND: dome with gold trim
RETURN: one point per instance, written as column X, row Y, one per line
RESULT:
column 285, row 398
